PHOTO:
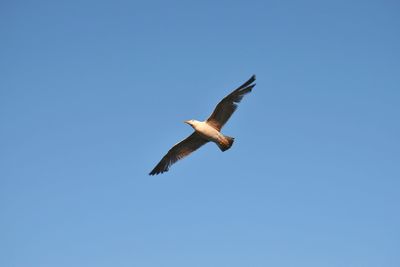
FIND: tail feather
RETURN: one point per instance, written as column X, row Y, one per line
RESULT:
column 226, row 144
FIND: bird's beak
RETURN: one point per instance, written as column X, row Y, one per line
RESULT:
column 187, row 122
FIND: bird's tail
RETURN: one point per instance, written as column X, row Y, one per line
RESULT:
column 226, row 143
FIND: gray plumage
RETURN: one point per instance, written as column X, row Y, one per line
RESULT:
column 208, row 130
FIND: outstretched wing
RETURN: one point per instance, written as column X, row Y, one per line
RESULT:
column 179, row 151
column 224, row 110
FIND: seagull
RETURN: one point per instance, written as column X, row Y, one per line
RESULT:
column 208, row 130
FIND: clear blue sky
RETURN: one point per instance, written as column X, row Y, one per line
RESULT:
column 94, row 93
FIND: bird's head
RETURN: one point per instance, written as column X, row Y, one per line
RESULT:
column 190, row 122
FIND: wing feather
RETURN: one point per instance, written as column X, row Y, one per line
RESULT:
column 225, row 108
column 179, row 151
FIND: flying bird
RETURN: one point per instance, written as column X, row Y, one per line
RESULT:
column 208, row 130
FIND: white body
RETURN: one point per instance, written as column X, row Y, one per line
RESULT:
column 207, row 131
column 211, row 134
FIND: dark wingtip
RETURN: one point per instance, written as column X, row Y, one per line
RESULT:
column 247, row 83
column 157, row 172
column 154, row 172
column 252, row 79
column 251, row 87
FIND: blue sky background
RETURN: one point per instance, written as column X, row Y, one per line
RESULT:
column 94, row 93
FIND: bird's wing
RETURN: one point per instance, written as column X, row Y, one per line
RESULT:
column 224, row 110
column 179, row 151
